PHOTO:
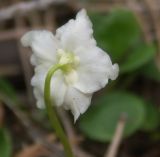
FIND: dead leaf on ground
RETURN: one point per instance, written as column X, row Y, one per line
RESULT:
column 35, row 150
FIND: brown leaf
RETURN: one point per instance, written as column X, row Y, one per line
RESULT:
column 35, row 150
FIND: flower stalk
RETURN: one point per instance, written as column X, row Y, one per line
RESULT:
column 52, row 113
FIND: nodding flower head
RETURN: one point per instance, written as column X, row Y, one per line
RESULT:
column 85, row 67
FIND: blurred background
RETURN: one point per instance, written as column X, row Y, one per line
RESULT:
column 126, row 111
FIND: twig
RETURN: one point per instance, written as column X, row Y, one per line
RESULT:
column 155, row 18
column 36, row 136
column 142, row 20
column 67, row 125
column 104, row 7
column 50, row 21
column 156, row 24
column 24, row 58
column 9, row 70
column 1, row 114
column 72, row 136
column 25, row 7
column 113, row 148
column 81, row 153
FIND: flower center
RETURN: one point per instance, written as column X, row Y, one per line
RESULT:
column 70, row 63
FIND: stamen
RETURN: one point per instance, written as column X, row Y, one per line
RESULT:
column 70, row 63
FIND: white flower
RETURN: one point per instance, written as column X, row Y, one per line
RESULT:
column 87, row 71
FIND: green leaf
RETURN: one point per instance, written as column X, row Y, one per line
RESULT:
column 151, row 71
column 99, row 123
column 5, row 143
column 152, row 119
column 116, row 32
column 139, row 57
column 7, row 89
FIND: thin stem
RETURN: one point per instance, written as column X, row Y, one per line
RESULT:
column 113, row 148
column 52, row 113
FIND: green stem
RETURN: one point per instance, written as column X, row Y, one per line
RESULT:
column 52, row 113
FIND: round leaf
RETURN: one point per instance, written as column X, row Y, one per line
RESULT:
column 115, row 32
column 5, row 143
column 151, row 71
column 100, row 121
column 140, row 56
column 152, row 119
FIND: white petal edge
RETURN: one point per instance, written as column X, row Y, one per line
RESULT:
column 39, row 97
column 76, row 32
column 43, row 44
column 95, row 69
column 76, row 101
column 58, row 88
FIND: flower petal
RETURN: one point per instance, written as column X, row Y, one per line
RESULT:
column 58, row 86
column 94, row 70
column 76, row 101
column 76, row 32
column 43, row 44
column 39, row 97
